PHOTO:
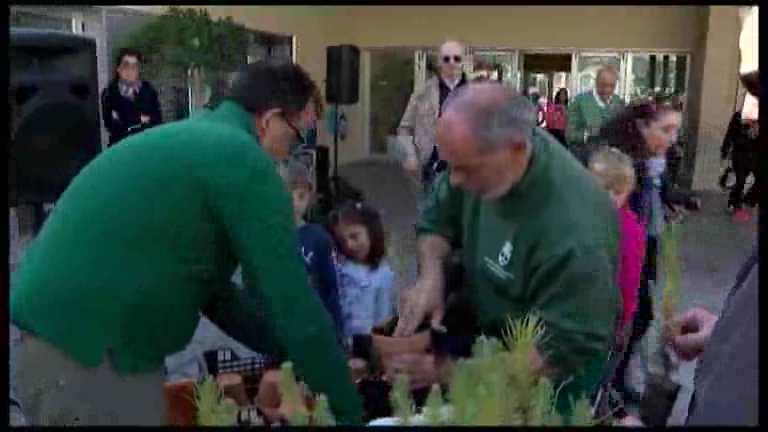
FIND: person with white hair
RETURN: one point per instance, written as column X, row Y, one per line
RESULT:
column 589, row 111
column 416, row 131
column 536, row 234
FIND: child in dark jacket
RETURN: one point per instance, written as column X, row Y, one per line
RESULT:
column 316, row 246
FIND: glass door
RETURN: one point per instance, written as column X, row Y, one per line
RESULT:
column 586, row 65
column 393, row 72
column 650, row 75
column 495, row 65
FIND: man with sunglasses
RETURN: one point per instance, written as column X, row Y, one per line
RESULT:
column 589, row 111
column 417, row 127
column 128, row 104
column 146, row 238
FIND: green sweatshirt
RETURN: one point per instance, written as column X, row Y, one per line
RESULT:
column 549, row 246
column 585, row 113
column 147, row 236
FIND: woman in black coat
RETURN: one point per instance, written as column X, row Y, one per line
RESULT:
column 128, row 104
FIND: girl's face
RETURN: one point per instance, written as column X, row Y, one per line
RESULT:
column 302, row 197
column 619, row 198
column 661, row 133
column 354, row 240
column 128, row 69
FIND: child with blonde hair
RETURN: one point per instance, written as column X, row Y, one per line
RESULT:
column 615, row 172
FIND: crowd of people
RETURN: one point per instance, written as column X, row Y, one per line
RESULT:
column 140, row 251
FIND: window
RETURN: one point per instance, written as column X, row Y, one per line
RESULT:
column 39, row 21
column 651, row 75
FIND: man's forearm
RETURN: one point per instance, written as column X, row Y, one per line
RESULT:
column 433, row 251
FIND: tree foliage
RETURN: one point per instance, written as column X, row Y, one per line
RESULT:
column 184, row 38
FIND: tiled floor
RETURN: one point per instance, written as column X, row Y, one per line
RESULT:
column 712, row 247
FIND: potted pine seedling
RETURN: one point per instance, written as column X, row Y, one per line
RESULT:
column 663, row 381
column 494, row 387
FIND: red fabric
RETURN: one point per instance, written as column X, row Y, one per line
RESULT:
column 631, row 253
column 555, row 116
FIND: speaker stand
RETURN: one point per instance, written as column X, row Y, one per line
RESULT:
column 335, row 178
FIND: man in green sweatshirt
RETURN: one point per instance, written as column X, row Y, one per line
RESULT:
column 536, row 232
column 147, row 237
column 589, row 111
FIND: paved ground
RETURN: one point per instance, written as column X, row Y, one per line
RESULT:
column 712, row 247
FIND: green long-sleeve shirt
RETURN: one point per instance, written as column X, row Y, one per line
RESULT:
column 148, row 235
column 585, row 113
column 550, row 247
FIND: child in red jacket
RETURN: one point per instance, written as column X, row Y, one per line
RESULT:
column 615, row 172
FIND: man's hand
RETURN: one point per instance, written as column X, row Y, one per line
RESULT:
column 424, row 299
column 422, row 370
column 696, row 327
column 145, row 118
column 411, row 166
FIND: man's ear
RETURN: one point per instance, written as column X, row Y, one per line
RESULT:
column 265, row 119
column 518, row 148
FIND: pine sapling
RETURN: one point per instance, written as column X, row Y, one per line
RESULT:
column 400, row 397
column 213, row 409
column 292, row 396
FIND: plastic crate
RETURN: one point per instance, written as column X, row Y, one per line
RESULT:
column 223, row 361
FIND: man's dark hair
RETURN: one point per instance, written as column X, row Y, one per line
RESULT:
column 265, row 85
column 128, row 52
column 356, row 213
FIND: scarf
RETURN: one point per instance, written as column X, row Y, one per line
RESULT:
column 129, row 90
column 653, row 205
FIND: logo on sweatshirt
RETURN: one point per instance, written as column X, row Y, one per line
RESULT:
column 505, row 254
column 498, row 266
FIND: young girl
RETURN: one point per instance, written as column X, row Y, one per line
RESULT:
column 365, row 278
column 615, row 172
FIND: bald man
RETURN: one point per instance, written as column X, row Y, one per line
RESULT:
column 536, row 235
column 417, row 127
column 589, row 111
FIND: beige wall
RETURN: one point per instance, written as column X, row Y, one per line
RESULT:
column 639, row 27
column 719, row 83
column 526, row 26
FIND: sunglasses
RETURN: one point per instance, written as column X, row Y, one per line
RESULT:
column 456, row 59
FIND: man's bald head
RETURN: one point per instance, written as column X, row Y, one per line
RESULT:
column 605, row 82
column 484, row 135
column 451, row 47
column 451, row 57
column 496, row 115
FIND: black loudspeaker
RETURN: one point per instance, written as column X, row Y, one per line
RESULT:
column 53, row 101
column 342, row 78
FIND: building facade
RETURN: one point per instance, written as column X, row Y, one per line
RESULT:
column 691, row 51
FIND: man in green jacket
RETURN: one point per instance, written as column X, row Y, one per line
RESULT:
column 146, row 238
column 536, row 232
column 589, row 111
